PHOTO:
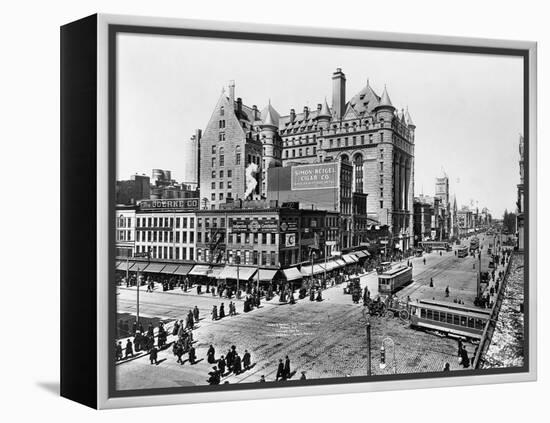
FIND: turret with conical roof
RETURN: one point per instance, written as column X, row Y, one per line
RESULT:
column 324, row 116
column 384, row 109
column 269, row 135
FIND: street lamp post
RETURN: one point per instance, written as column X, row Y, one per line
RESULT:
column 383, row 352
column 367, row 330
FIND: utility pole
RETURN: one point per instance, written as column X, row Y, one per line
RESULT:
column 368, row 350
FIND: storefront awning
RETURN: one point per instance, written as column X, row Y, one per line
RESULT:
column 306, row 270
column 121, row 265
column 350, row 258
column 169, row 269
column 341, row 263
column 330, row 265
column 292, row 274
column 154, row 268
column 183, row 269
column 243, row 273
column 214, row 272
column 199, row 270
column 137, row 266
column 266, row 275
column 362, row 253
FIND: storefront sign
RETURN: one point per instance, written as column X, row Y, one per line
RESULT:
column 289, row 226
column 290, row 240
column 314, row 176
column 182, row 203
column 254, row 226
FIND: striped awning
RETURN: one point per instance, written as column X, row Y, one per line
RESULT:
column 330, row 265
column 350, row 258
column 292, row 273
column 121, row 265
column 183, row 269
column 154, row 267
column 169, row 269
column 341, row 263
column 234, row 272
column 266, row 274
column 215, row 271
column 199, row 270
column 306, row 270
column 361, row 253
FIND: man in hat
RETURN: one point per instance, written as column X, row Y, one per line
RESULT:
column 153, row 355
column 280, row 371
column 221, row 365
column 287, row 368
column 118, row 351
column 215, row 313
column 303, row 377
column 222, row 311
column 196, row 313
column 246, row 360
column 214, row 378
column 237, row 367
column 192, row 354
column 211, row 355
column 129, row 349
column 262, row 379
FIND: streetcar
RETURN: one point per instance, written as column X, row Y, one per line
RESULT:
column 418, row 252
column 474, row 243
column 385, row 265
column 462, row 251
column 449, row 318
column 436, row 245
column 394, row 279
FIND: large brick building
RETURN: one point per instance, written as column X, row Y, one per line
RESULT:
column 365, row 131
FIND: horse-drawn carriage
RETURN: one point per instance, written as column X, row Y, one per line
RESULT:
column 387, row 306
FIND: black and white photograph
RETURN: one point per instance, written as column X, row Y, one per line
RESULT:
column 293, row 213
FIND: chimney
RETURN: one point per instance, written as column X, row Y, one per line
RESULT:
column 255, row 111
column 239, row 104
column 231, row 91
column 338, row 93
column 306, row 112
column 292, row 115
column 319, row 107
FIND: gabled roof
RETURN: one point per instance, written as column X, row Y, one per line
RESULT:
column 365, row 100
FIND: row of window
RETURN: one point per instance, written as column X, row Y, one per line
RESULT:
column 300, row 151
column 166, row 236
column 165, row 222
column 247, row 257
column 229, row 173
column 221, row 185
column 124, row 235
column 452, row 319
column 160, row 252
column 221, row 195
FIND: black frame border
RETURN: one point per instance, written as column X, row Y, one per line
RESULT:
column 114, row 29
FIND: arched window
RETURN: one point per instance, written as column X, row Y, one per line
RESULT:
column 358, row 168
column 221, row 111
column 344, row 158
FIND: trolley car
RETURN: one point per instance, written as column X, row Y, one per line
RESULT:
column 435, row 245
column 449, row 318
column 394, row 279
column 462, row 251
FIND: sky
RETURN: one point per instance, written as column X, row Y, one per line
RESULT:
column 468, row 109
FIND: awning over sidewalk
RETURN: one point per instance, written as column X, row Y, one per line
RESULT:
column 120, row 265
column 292, row 273
column 230, row 272
column 154, row 268
column 331, row 265
column 200, row 270
column 214, row 272
column 267, row 275
column 350, row 258
column 362, row 253
column 169, row 269
column 341, row 263
column 183, row 269
column 306, row 270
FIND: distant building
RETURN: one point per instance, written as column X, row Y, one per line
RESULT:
column 423, row 212
column 163, row 187
column 442, row 193
column 520, row 220
column 133, row 190
column 125, row 232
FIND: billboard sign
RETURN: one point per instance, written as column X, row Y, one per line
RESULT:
column 314, row 176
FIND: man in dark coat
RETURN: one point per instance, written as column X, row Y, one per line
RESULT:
column 214, row 378
column 246, row 360
column 161, row 341
column 153, row 355
column 150, row 331
column 178, row 351
column 221, row 365
column 237, row 367
column 196, row 313
column 280, row 371
column 192, row 355
column 129, row 349
column 222, row 311
column 118, row 351
column 287, row 368
column 211, row 355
